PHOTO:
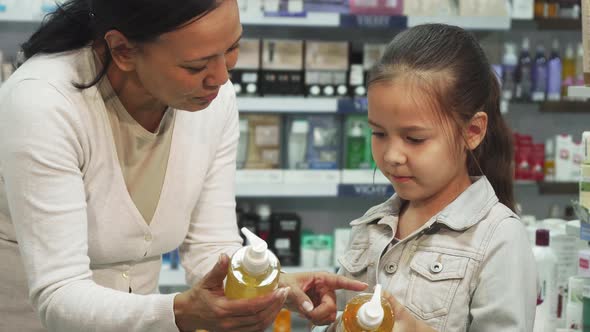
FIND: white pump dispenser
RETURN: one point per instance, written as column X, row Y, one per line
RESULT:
column 256, row 260
column 371, row 314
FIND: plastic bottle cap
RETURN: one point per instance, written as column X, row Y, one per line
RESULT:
column 243, row 125
column 256, row 257
column 342, row 90
column 542, row 238
column 329, row 90
column 238, row 88
column 569, row 51
column 356, row 130
column 263, row 211
column 360, row 91
column 315, row 90
column 370, row 315
column 526, row 44
column 251, row 88
column 300, row 127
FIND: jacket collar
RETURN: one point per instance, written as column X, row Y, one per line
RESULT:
column 464, row 212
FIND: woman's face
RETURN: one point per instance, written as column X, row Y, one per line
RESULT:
column 185, row 68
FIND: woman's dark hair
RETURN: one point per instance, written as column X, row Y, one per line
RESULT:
column 78, row 23
column 468, row 85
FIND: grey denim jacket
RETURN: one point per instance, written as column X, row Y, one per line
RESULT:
column 469, row 268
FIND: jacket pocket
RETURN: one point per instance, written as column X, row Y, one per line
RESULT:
column 434, row 279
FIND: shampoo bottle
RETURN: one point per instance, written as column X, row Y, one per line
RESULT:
column 554, row 73
column 546, row 313
column 367, row 312
column 355, row 146
column 253, row 270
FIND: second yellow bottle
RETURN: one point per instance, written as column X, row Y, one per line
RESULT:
column 367, row 313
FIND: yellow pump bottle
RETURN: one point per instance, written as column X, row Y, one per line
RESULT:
column 253, row 270
column 367, row 313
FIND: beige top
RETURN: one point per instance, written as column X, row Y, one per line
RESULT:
column 72, row 242
column 143, row 155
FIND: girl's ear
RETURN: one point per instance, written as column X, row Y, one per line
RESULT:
column 476, row 130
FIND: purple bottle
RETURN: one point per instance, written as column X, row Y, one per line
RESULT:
column 554, row 69
column 539, row 75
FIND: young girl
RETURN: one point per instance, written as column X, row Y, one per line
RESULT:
column 448, row 246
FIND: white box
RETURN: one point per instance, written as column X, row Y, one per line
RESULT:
column 584, row 263
column 523, row 9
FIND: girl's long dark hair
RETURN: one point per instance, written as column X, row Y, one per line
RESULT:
column 78, row 23
column 470, row 86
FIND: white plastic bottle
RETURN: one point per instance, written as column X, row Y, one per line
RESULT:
column 297, row 145
column 253, row 271
column 242, row 154
column 546, row 314
column 509, row 64
column 367, row 312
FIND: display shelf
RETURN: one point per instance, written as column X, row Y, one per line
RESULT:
column 582, row 92
column 547, row 24
column 566, row 106
column 288, row 104
column 176, row 277
column 468, row 23
column 558, row 188
column 307, row 20
column 559, row 24
column 338, row 20
column 286, row 190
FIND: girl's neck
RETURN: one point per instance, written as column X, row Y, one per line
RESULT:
column 414, row 214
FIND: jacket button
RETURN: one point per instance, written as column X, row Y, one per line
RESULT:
column 436, row 267
column 391, row 268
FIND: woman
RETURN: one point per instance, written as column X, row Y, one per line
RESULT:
column 118, row 141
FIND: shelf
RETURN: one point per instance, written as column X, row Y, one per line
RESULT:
column 547, row 24
column 287, row 104
column 566, row 106
column 468, row 23
column 558, row 188
column 286, row 190
column 579, row 92
column 280, row 104
column 558, row 24
column 338, row 20
column 175, row 278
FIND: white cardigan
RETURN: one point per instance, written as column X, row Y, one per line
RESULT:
column 65, row 206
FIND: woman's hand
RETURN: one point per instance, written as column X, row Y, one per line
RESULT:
column 313, row 294
column 205, row 306
column 404, row 320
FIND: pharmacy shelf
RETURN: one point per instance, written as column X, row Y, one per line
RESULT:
column 548, row 24
column 559, row 24
column 558, row 188
column 272, row 104
column 287, row 104
column 176, row 278
column 566, row 106
column 468, row 23
column 338, row 20
column 286, row 190
column 579, row 92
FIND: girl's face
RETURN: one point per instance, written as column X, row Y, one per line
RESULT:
column 185, row 68
column 421, row 155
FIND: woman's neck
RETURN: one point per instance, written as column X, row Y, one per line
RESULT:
column 143, row 107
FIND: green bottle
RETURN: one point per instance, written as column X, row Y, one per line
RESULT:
column 355, row 146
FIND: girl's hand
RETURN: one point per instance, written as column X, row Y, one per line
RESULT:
column 205, row 306
column 404, row 320
column 313, row 294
